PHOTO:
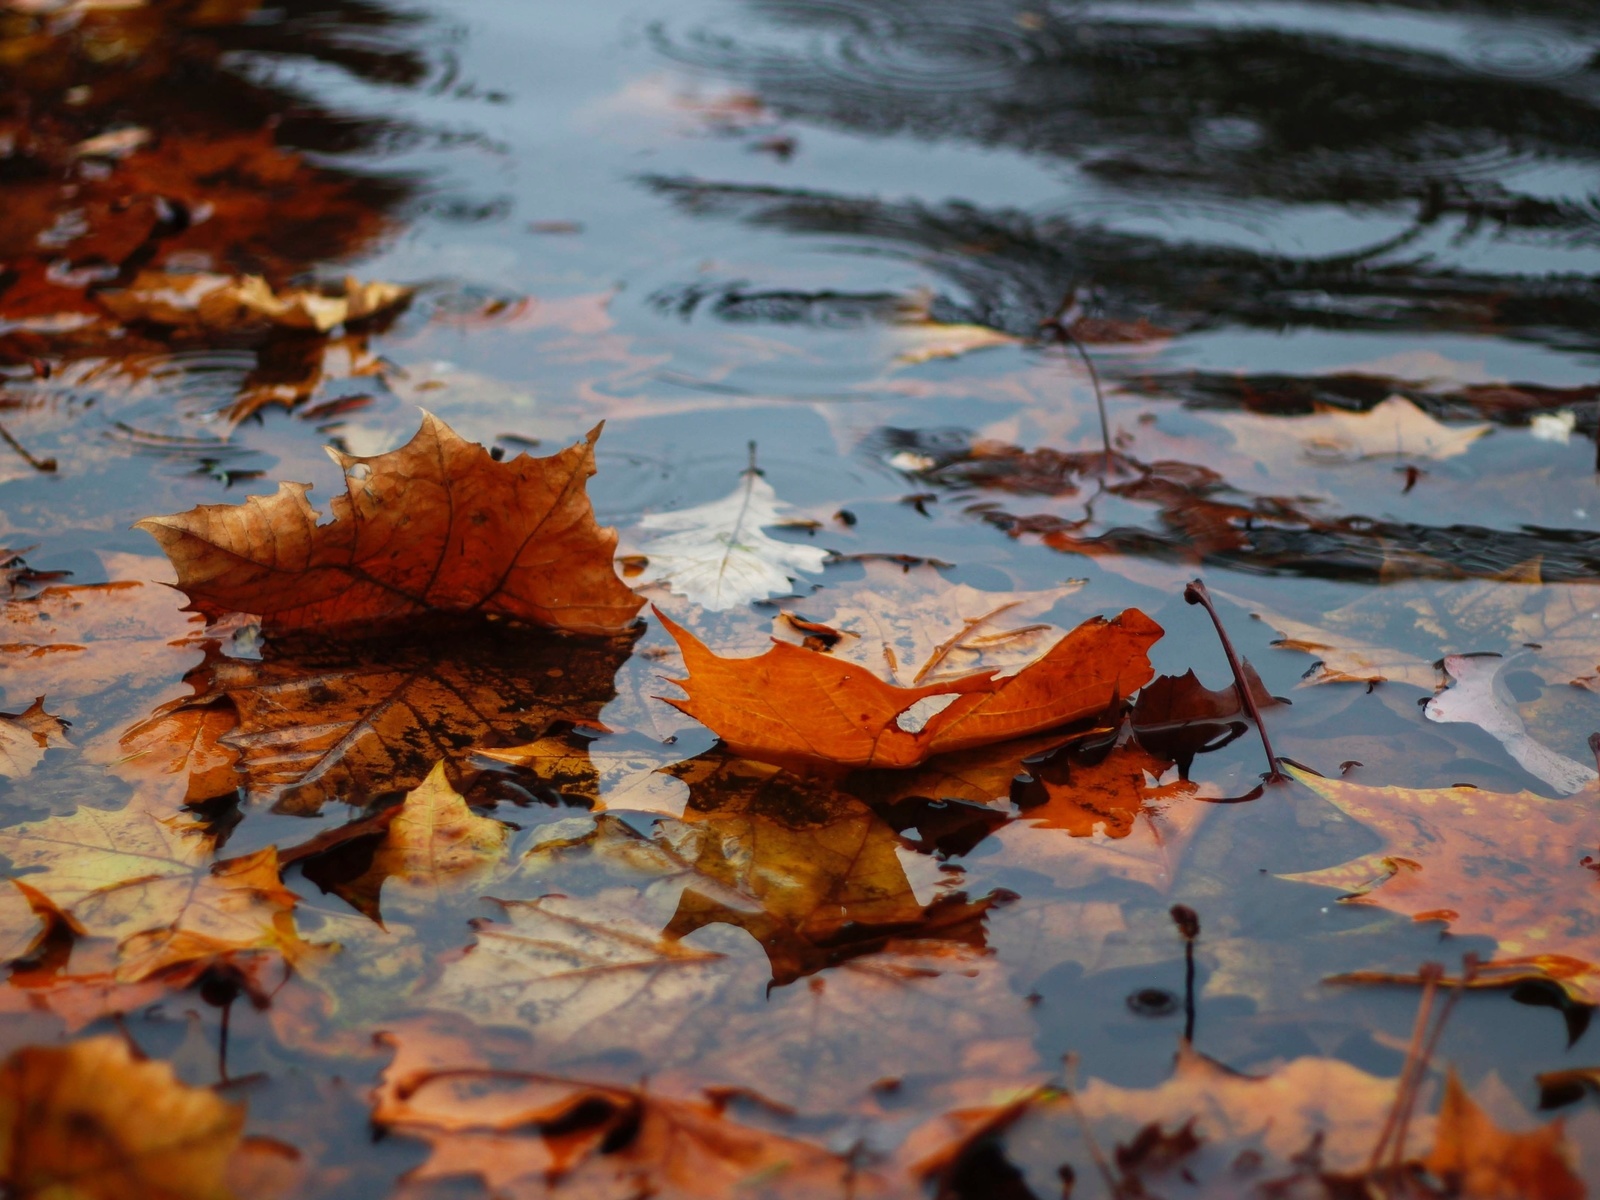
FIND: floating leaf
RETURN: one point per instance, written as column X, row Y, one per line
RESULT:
column 795, row 705
column 718, row 554
column 437, row 526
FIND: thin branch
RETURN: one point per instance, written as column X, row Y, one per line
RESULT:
column 1195, row 593
column 1056, row 323
column 47, row 465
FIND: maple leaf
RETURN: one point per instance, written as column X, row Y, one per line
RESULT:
column 1478, row 695
column 437, row 526
column 1396, row 426
column 225, row 303
column 795, row 705
column 718, row 554
column 323, row 719
column 142, row 878
column 518, row 1130
column 1178, row 716
column 916, row 627
column 1473, row 1156
column 25, row 736
column 178, row 753
column 90, row 1121
column 1510, row 867
column 433, row 845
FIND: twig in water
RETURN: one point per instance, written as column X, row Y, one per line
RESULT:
column 1410, row 1073
column 1056, row 323
column 1188, row 923
column 38, row 464
column 1195, row 593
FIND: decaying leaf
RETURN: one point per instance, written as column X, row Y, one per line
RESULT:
column 1177, row 716
column 437, row 526
column 1347, row 657
column 1472, row 1156
column 719, row 555
column 25, row 736
column 796, row 705
column 226, row 302
column 913, row 626
column 91, row 1122
column 1478, row 695
column 1516, row 868
column 178, row 753
column 1396, row 426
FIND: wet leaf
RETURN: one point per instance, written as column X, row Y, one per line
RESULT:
column 1516, row 868
column 434, row 845
column 1394, row 427
column 913, row 626
column 1243, row 1130
column 1474, row 1157
column 437, row 526
column 143, row 879
column 25, row 736
column 518, row 1129
column 719, row 555
column 89, row 1120
column 1347, row 657
column 1478, row 695
column 796, row 705
column 222, row 302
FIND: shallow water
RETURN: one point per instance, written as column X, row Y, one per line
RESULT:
column 703, row 223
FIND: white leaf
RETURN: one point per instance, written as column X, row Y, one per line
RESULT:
column 718, row 556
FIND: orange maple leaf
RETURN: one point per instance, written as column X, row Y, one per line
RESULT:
column 437, row 526
column 792, row 705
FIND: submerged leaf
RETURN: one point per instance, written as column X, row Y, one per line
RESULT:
column 437, row 526
column 1516, row 868
column 718, row 554
column 225, row 303
column 1478, row 695
column 1474, row 1157
column 25, row 736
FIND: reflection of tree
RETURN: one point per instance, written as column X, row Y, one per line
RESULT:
column 1013, row 269
column 1335, row 104
column 141, row 138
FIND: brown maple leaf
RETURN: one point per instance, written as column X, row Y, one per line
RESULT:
column 89, row 1120
column 1516, row 868
column 792, row 705
column 437, row 526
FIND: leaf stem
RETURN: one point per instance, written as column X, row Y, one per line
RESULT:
column 46, row 465
column 1056, row 322
column 1195, row 593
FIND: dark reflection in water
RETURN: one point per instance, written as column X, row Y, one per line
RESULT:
column 1451, row 144
column 176, row 136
